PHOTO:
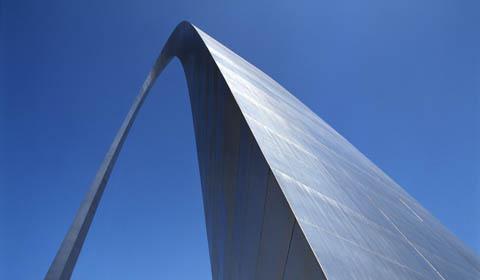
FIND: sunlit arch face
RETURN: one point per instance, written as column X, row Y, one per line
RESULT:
column 285, row 196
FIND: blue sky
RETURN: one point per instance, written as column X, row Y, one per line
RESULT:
column 399, row 79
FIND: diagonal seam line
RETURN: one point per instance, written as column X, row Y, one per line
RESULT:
column 263, row 221
column 289, row 248
column 406, row 238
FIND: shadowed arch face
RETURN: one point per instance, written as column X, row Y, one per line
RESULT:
column 285, row 196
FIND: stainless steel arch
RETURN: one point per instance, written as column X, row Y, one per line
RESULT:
column 285, row 196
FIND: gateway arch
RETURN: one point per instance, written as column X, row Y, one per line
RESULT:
column 285, row 196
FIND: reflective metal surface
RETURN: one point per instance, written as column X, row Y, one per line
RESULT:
column 285, row 196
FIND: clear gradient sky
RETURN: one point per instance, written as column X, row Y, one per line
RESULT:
column 400, row 79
